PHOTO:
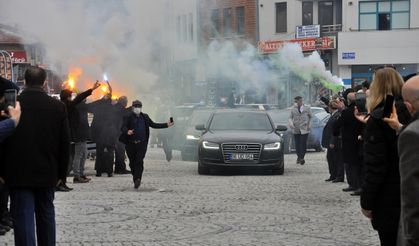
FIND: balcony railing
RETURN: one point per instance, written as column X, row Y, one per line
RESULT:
column 331, row 28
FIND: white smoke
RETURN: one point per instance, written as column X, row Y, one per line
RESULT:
column 119, row 37
column 258, row 72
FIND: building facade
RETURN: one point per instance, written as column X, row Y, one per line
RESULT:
column 377, row 33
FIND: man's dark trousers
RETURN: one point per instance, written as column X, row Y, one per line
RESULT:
column 24, row 202
column 136, row 153
column 300, row 145
column 334, row 160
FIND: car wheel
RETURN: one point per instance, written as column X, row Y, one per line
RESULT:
column 279, row 171
column 203, row 170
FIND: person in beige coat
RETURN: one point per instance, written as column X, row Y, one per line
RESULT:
column 300, row 123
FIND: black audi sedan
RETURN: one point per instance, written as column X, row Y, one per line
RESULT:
column 240, row 139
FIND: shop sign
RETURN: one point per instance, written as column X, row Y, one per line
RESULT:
column 18, row 56
column 311, row 31
column 307, row 44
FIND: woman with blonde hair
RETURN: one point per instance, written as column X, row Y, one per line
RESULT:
column 380, row 197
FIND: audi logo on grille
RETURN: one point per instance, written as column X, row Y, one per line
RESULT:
column 241, row 147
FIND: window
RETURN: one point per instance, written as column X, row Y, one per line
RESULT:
column 191, row 27
column 384, row 15
column 227, row 22
column 384, row 21
column 240, row 20
column 215, row 21
column 326, row 13
column 281, row 17
column 307, row 13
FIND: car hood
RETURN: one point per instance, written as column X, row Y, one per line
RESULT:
column 224, row 136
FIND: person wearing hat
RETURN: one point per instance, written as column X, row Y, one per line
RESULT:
column 135, row 134
column 300, row 123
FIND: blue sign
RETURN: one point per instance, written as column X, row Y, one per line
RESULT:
column 348, row 55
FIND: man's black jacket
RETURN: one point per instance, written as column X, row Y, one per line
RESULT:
column 77, row 133
column 129, row 123
column 37, row 153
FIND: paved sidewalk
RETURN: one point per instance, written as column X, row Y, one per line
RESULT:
column 176, row 206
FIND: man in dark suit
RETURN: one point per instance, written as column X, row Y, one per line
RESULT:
column 35, row 160
column 135, row 134
column 351, row 129
column 333, row 144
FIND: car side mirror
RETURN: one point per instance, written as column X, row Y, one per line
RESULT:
column 200, row 127
column 281, row 128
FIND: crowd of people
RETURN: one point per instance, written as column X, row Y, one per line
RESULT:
column 43, row 139
column 375, row 151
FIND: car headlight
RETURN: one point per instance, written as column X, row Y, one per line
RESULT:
column 191, row 137
column 209, row 145
column 272, row 146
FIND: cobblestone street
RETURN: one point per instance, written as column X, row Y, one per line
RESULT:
column 176, row 206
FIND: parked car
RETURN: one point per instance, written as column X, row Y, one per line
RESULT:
column 189, row 151
column 240, row 139
column 319, row 120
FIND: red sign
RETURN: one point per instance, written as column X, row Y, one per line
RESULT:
column 307, row 44
column 18, row 56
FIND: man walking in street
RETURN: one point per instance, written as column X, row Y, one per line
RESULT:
column 135, row 134
column 35, row 160
column 300, row 123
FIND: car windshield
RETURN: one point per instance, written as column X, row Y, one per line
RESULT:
column 240, row 121
column 199, row 117
column 280, row 117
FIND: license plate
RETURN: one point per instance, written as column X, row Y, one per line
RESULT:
column 241, row 156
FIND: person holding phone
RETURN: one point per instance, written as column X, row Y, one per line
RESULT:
column 135, row 134
column 380, row 195
column 43, row 135
column 8, row 125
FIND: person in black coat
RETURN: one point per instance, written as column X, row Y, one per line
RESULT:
column 380, row 197
column 105, row 132
column 78, row 132
column 120, row 112
column 333, row 144
column 35, row 160
column 351, row 130
column 135, row 134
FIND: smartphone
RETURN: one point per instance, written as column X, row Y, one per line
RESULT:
column 10, row 98
column 360, row 102
column 388, row 106
column 171, row 119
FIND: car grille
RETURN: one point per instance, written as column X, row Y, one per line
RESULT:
column 247, row 148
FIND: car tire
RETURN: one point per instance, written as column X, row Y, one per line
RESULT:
column 203, row 170
column 279, row 171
